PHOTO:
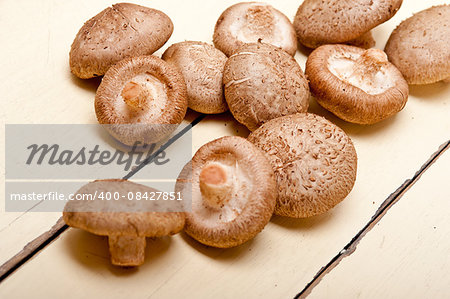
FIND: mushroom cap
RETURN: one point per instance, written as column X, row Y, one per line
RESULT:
column 97, row 216
column 120, row 31
column 250, row 192
column 357, row 85
column 263, row 82
column 163, row 100
column 314, row 163
column 319, row 22
column 420, row 46
column 202, row 67
column 249, row 22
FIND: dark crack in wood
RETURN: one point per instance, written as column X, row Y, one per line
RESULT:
column 381, row 211
column 31, row 249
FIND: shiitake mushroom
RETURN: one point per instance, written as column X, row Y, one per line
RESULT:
column 249, row 22
column 263, row 82
column 202, row 67
column 320, row 22
column 313, row 159
column 359, row 86
column 125, row 222
column 233, row 191
column 420, row 46
column 117, row 32
column 141, row 99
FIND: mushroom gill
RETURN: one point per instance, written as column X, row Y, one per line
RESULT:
column 141, row 99
column 366, row 72
column 143, row 92
column 225, row 187
column 357, row 85
column 249, row 22
column 233, row 192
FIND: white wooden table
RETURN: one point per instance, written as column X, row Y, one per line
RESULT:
column 388, row 238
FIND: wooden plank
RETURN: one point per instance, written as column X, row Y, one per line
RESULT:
column 351, row 246
column 407, row 254
column 32, row 248
column 37, row 88
column 281, row 260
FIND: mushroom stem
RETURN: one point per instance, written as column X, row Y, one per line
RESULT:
column 370, row 61
column 135, row 96
column 215, row 186
column 127, row 250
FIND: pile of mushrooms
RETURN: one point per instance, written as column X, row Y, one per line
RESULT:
column 293, row 163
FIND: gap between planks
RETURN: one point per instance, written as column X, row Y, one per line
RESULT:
column 381, row 211
column 36, row 245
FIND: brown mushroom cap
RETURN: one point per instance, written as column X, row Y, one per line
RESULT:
column 202, row 67
column 121, row 31
column 357, row 85
column 320, row 22
column 420, row 46
column 118, row 219
column 233, row 192
column 263, row 82
column 314, row 163
column 249, row 22
column 145, row 91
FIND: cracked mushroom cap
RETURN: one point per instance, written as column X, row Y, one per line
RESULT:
column 120, row 31
column 249, row 22
column 420, row 46
column 141, row 99
column 202, row 67
column 314, row 163
column 320, row 22
column 120, row 220
column 233, row 192
column 359, row 86
column 263, row 82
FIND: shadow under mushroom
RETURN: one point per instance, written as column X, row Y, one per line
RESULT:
column 87, row 84
column 92, row 251
column 350, row 128
column 302, row 223
column 221, row 254
column 430, row 92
